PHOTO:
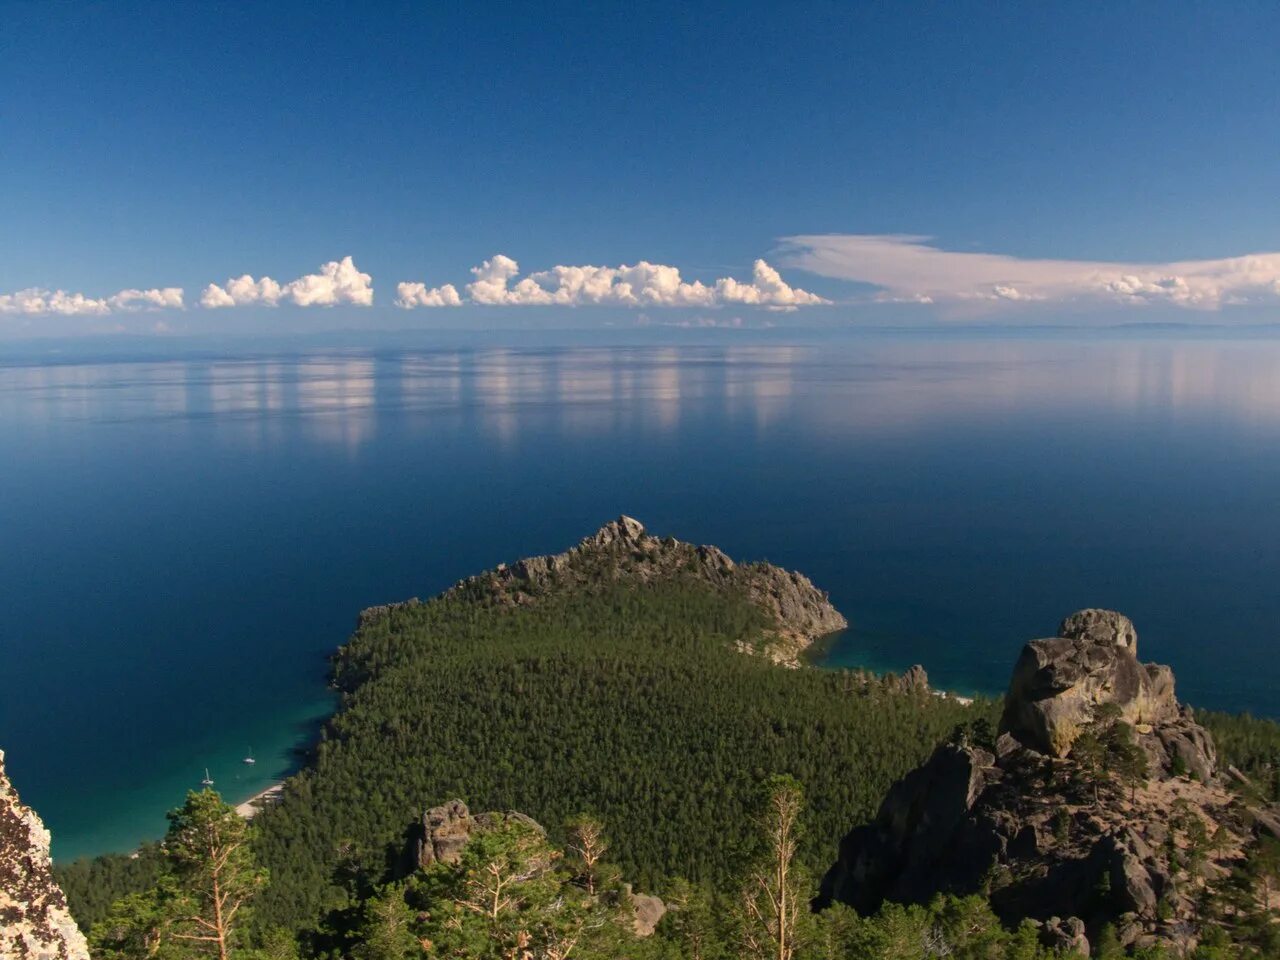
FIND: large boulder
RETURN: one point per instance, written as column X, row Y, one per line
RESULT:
column 35, row 923
column 1060, row 684
column 1048, row 834
column 448, row 828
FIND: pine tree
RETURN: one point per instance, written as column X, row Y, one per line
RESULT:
column 775, row 900
column 386, row 929
column 588, row 843
column 214, row 873
column 137, row 927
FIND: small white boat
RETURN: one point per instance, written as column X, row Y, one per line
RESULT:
column 249, row 759
column 208, row 780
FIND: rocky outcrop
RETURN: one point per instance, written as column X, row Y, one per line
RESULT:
column 1060, row 684
column 370, row 615
column 622, row 550
column 647, row 911
column 914, row 680
column 1044, row 824
column 35, row 923
column 446, row 829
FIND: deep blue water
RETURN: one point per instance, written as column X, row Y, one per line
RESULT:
column 183, row 541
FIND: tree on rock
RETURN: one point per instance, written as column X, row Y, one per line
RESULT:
column 509, row 896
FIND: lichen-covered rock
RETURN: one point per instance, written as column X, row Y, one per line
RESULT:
column 35, row 923
column 1060, row 684
column 1101, row 626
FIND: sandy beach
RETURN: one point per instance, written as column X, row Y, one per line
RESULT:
column 250, row 807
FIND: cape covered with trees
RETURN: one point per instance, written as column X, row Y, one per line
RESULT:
column 632, row 684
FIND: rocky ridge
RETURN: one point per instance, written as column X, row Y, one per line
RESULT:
column 1093, row 805
column 35, row 923
column 446, row 830
column 624, row 550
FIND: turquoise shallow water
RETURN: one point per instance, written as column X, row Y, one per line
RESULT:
column 185, row 540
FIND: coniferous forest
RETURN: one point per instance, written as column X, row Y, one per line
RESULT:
column 629, row 702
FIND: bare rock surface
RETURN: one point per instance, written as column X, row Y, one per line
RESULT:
column 1042, row 829
column 623, row 550
column 446, row 830
column 35, row 923
column 647, row 911
column 1060, row 684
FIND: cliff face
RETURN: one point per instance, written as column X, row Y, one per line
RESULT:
column 623, row 550
column 34, row 921
column 1080, row 813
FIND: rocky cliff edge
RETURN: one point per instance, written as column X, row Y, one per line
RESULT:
column 35, row 923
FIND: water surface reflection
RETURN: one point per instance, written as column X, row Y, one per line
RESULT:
column 187, row 539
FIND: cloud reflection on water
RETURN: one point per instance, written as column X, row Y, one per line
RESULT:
column 857, row 387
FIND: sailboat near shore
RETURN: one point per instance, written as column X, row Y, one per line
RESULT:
column 208, row 780
column 249, row 758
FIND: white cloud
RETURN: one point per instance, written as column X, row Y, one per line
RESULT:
column 242, row 291
column 35, row 302
column 911, row 269
column 338, row 281
column 641, row 285
column 166, row 298
column 767, row 288
column 410, row 295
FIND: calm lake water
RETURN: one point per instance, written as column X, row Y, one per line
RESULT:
column 185, row 540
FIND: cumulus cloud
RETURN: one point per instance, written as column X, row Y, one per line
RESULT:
column 410, row 295
column 166, row 298
column 240, row 292
column 338, row 281
column 641, row 285
column 910, row 269
column 35, row 302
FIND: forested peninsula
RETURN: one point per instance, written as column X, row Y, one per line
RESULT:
column 616, row 752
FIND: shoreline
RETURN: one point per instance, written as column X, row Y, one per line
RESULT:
column 260, row 800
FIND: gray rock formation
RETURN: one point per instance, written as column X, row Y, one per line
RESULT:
column 914, row 680
column 1066, row 936
column 647, row 911
column 1060, row 684
column 622, row 550
column 35, row 923
column 446, row 829
column 1047, row 834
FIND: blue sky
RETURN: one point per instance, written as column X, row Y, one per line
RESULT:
column 174, row 145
